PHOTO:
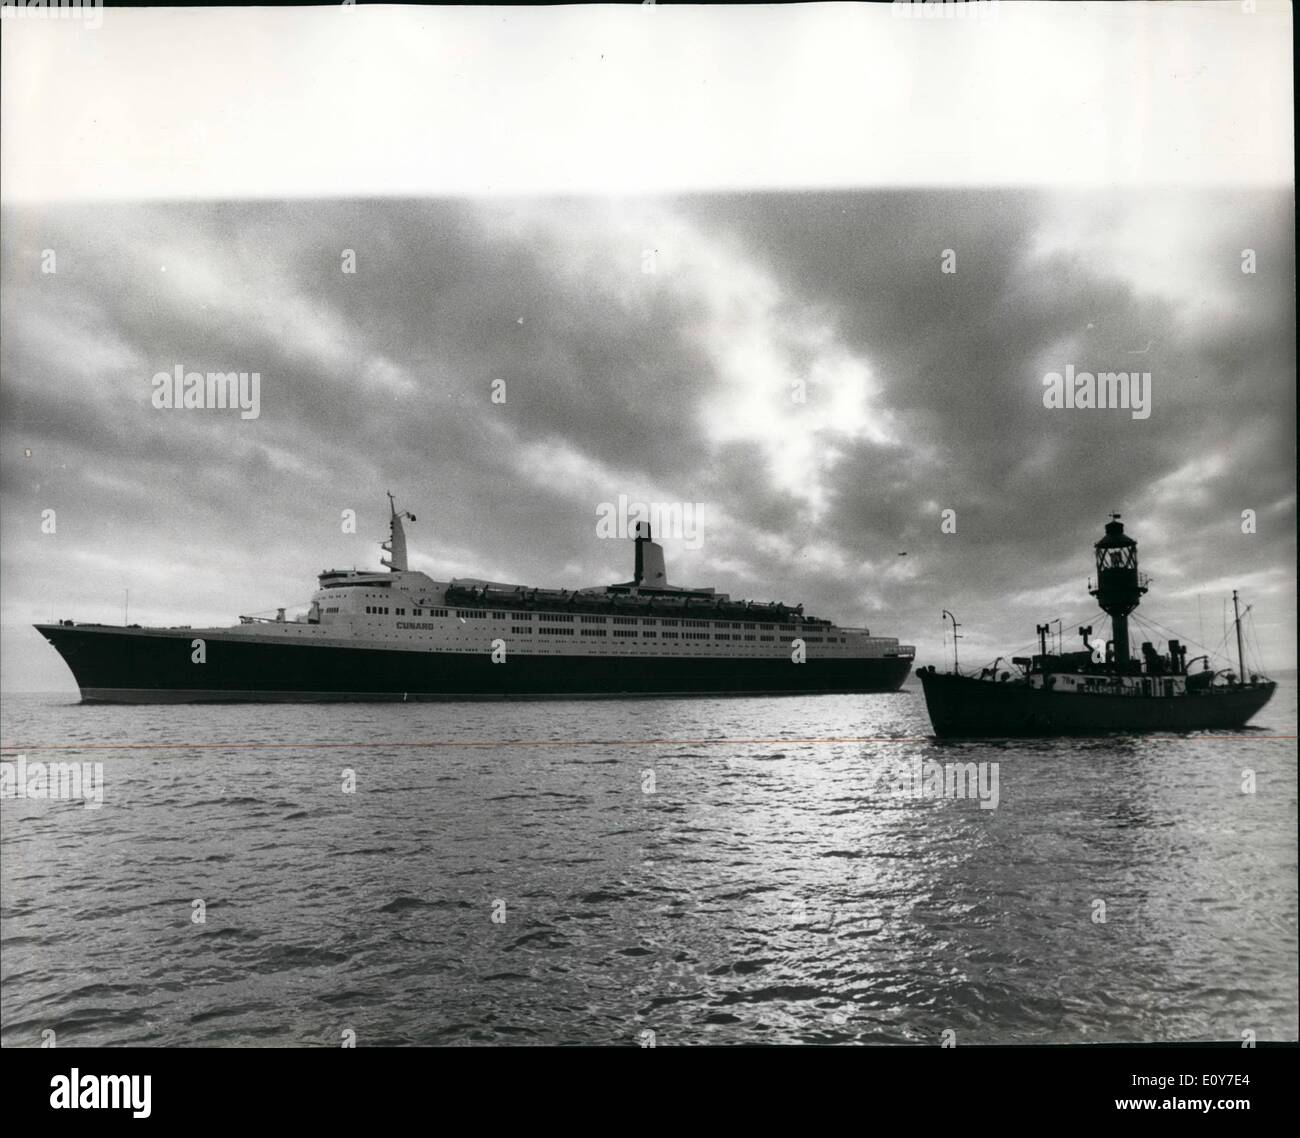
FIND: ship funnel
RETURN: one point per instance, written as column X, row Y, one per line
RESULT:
column 395, row 546
column 650, row 569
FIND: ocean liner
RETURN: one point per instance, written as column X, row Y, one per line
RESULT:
column 397, row 634
column 1101, row 689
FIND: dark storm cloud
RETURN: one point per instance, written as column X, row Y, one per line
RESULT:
column 621, row 381
column 960, row 359
column 381, row 375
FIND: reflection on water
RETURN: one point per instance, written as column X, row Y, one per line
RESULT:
column 707, row 891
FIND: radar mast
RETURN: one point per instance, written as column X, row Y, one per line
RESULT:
column 395, row 546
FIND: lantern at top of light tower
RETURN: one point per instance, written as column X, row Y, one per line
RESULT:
column 1119, row 585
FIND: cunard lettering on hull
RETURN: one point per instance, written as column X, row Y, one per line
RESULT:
column 398, row 634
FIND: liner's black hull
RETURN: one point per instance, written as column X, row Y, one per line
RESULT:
column 962, row 707
column 140, row 666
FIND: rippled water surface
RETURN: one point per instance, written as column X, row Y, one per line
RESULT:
column 714, row 871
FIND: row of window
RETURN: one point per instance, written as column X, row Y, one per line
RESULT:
column 651, row 634
column 563, row 618
column 623, row 633
column 656, row 622
column 384, row 610
column 379, row 610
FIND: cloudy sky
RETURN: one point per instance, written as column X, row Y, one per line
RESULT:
column 650, row 345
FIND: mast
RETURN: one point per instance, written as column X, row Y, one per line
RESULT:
column 1241, row 659
column 955, row 637
column 395, row 546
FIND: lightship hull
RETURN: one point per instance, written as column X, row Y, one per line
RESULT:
column 964, row 707
column 119, row 665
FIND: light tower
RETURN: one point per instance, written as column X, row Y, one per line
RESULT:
column 1119, row 585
